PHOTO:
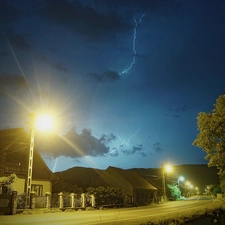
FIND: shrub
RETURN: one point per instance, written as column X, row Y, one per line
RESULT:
column 21, row 201
column 107, row 195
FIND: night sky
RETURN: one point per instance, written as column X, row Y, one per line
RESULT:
column 125, row 79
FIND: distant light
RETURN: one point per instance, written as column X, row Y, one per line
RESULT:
column 188, row 183
column 181, row 178
column 44, row 122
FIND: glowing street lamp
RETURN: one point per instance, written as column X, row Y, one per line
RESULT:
column 181, row 178
column 166, row 168
column 44, row 122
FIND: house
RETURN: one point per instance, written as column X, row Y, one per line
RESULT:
column 14, row 153
column 138, row 190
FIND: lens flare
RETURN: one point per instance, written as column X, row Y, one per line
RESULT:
column 44, row 122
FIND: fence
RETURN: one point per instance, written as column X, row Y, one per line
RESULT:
column 71, row 200
column 61, row 201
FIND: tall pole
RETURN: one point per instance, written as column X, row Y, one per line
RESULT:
column 30, row 160
column 164, row 183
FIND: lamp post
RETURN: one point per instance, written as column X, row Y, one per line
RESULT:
column 164, row 169
column 163, row 182
column 30, row 160
column 181, row 178
column 41, row 122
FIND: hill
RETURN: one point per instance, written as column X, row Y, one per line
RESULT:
column 81, row 176
column 199, row 175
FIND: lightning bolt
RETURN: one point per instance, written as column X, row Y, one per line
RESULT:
column 134, row 44
column 55, row 164
column 127, row 143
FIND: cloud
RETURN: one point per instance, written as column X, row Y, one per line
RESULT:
column 107, row 76
column 114, row 152
column 143, row 154
column 59, row 66
column 162, row 7
column 84, row 20
column 157, row 148
column 16, row 40
column 182, row 108
column 12, row 82
column 176, row 112
column 135, row 149
column 75, row 145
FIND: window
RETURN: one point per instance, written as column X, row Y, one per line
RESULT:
column 37, row 188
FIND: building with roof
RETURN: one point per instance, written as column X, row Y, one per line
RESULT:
column 14, row 153
column 138, row 190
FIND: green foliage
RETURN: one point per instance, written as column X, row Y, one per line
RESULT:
column 107, row 195
column 21, row 201
column 8, row 182
column 174, row 191
column 63, row 186
column 55, row 202
column 216, row 190
column 211, row 137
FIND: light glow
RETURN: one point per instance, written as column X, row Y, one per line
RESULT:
column 168, row 168
column 44, row 122
column 181, row 178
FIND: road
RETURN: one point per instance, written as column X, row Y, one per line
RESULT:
column 122, row 216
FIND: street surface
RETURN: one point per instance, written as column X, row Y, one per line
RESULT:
column 110, row 216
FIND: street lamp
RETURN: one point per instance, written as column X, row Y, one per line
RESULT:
column 166, row 168
column 181, row 178
column 43, row 122
column 188, row 186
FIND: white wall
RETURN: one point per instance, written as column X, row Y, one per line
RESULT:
column 19, row 185
column 47, row 185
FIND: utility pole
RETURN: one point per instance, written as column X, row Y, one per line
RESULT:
column 164, row 183
column 30, row 160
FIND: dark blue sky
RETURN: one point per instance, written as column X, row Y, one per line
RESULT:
column 70, row 58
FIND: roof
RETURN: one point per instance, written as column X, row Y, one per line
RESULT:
column 14, row 147
column 133, row 178
column 105, row 178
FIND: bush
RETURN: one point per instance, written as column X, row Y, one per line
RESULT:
column 107, row 195
column 174, row 191
column 21, row 201
column 8, row 182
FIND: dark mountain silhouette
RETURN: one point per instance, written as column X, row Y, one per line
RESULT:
column 81, row 176
column 199, row 175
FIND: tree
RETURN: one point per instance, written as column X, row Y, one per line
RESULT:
column 211, row 137
column 8, row 183
column 174, row 191
column 216, row 190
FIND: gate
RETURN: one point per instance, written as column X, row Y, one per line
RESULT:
column 8, row 203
